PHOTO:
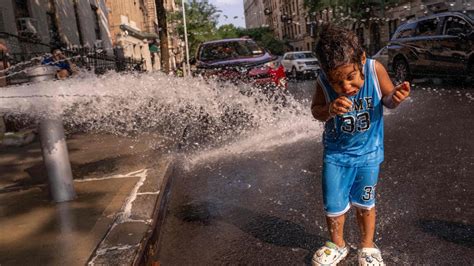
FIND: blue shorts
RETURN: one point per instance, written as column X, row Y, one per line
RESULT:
column 343, row 186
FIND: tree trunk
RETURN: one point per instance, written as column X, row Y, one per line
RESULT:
column 163, row 33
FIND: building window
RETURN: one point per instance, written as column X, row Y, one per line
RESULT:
column 54, row 38
column 297, row 8
column 456, row 25
column 21, row 9
column 97, row 22
column 360, row 34
column 2, row 23
column 427, row 27
column 392, row 26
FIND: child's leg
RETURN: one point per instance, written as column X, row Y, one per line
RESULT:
column 336, row 229
column 366, row 221
column 337, row 182
column 369, row 253
column 363, row 198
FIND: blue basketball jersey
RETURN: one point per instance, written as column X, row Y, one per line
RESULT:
column 355, row 138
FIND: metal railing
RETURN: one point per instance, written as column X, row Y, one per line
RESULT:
column 26, row 53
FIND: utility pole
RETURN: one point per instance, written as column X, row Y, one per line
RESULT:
column 188, row 67
column 163, row 33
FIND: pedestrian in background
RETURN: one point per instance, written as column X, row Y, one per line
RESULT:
column 59, row 60
column 3, row 80
column 3, row 62
column 350, row 94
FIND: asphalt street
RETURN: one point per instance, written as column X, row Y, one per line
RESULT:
column 266, row 208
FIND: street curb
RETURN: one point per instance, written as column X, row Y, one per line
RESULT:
column 148, row 250
column 126, row 240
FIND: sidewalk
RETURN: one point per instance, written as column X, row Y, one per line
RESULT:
column 119, row 182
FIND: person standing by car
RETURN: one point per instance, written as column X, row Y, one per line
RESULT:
column 350, row 95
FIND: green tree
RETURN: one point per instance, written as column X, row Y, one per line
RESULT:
column 265, row 37
column 227, row 31
column 201, row 22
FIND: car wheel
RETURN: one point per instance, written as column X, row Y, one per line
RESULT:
column 294, row 73
column 402, row 72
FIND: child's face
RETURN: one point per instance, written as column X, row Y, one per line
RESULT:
column 346, row 79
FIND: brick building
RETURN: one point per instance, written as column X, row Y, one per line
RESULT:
column 134, row 28
column 292, row 22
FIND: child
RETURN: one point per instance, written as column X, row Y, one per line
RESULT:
column 350, row 94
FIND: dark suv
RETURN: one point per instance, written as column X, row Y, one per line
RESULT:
column 440, row 45
column 240, row 59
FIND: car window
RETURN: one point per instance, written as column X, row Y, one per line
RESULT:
column 230, row 50
column 469, row 13
column 288, row 57
column 405, row 31
column 382, row 51
column 456, row 25
column 304, row 55
column 427, row 27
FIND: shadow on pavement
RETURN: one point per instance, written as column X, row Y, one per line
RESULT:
column 458, row 233
column 270, row 229
column 36, row 174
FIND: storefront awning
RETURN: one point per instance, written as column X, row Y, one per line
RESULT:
column 138, row 34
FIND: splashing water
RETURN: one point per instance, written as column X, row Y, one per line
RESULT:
column 212, row 119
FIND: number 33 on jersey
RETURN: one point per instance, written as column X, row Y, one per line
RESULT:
column 356, row 137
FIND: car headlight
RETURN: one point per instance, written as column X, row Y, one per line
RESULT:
column 272, row 64
column 300, row 63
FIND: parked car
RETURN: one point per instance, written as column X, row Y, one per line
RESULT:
column 382, row 56
column 440, row 45
column 302, row 63
column 240, row 59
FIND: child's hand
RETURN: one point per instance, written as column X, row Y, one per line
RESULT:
column 401, row 92
column 340, row 106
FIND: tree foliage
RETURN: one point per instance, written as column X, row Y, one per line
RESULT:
column 265, row 37
column 227, row 31
column 201, row 22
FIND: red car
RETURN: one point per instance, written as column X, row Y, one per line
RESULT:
column 240, row 59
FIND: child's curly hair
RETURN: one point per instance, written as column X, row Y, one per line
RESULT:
column 338, row 46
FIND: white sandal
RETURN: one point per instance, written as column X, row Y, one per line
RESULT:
column 370, row 256
column 330, row 254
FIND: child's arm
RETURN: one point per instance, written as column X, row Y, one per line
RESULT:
column 323, row 111
column 391, row 96
column 319, row 108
